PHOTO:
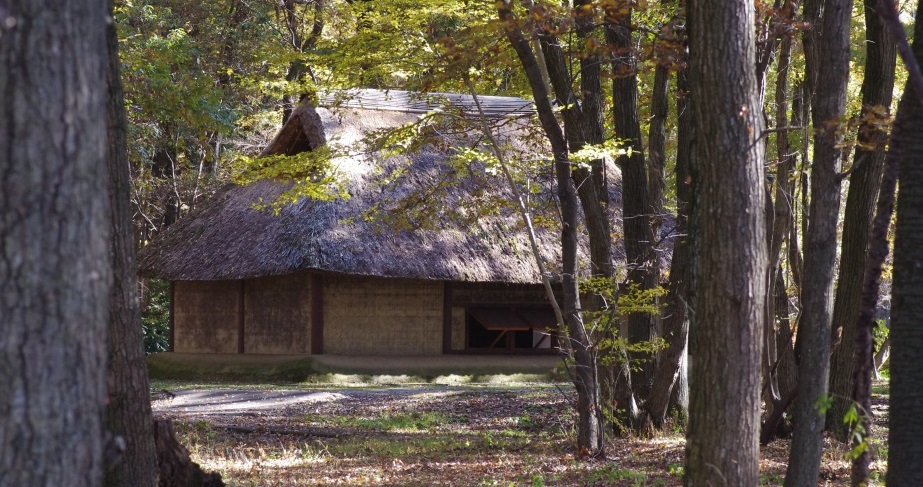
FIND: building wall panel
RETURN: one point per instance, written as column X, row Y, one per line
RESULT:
column 206, row 316
column 364, row 315
column 277, row 315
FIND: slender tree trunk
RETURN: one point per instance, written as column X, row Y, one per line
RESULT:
column 676, row 316
column 685, row 164
column 656, row 146
column 729, row 247
column 128, row 412
column 636, row 208
column 801, row 107
column 881, row 356
column 582, row 125
column 589, row 422
column 905, row 423
column 54, row 242
column 813, row 336
column 779, row 349
column 656, row 158
column 297, row 68
column 877, row 88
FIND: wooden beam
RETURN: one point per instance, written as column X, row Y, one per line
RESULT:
column 317, row 314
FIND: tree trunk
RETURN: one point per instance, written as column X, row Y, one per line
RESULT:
column 676, row 316
column 877, row 88
column 656, row 146
column 582, row 125
column 128, row 412
column 905, row 424
column 729, row 235
column 779, row 356
column 176, row 468
column 297, row 68
column 813, row 336
column 636, row 209
column 881, row 356
column 589, row 417
column 54, row 242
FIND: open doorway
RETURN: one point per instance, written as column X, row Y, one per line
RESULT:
column 506, row 329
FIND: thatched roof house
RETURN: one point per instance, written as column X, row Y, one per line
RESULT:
column 424, row 255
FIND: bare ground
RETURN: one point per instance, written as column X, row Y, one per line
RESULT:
column 430, row 435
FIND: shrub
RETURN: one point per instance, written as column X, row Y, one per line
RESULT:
column 155, row 317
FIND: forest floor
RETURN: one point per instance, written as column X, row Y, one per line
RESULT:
column 519, row 434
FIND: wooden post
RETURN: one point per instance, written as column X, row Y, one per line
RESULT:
column 317, row 314
column 447, row 318
column 240, row 317
column 172, row 322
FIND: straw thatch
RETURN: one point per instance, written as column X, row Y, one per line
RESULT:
column 229, row 238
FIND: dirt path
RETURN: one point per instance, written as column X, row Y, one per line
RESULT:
column 236, row 401
column 218, row 402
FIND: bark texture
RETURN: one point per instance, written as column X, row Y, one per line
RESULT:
column 813, row 338
column 128, row 412
column 905, row 424
column 176, row 468
column 729, row 246
column 877, row 88
column 54, row 242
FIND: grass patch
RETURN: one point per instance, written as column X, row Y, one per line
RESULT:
column 337, row 370
column 413, row 421
column 613, row 473
column 229, row 368
column 881, row 387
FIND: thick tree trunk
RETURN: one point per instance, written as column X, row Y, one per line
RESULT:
column 905, row 424
column 54, row 242
column 813, row 336
column 730, row 253
column 877, row 88
column 128, row 412
column 863, row 347
column 176, row 468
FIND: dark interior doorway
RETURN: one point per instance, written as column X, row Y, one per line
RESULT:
column 524, row 329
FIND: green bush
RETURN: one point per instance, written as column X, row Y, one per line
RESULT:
column 155, row 317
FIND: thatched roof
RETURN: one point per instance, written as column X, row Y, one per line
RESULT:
column 408, row 215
